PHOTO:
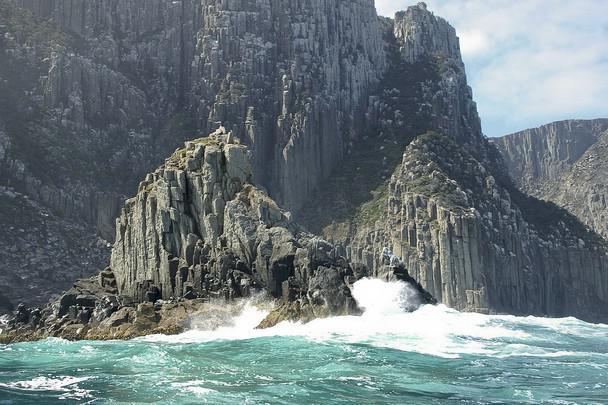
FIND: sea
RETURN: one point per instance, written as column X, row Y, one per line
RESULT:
column 434, row 355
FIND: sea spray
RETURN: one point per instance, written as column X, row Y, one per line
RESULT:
column 375, row 296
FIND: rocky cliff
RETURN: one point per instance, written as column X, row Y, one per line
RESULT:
column 563, row 162
column 45, row 239
column 477, row 243
column 93, row 95
column 449, row 209
column 289, row 78
column 322, row 92
column 41, row 253
column 198, row 228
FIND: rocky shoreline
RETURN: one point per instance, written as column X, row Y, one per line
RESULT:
column 92, row 310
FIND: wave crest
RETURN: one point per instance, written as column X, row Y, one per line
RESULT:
column 386, row 322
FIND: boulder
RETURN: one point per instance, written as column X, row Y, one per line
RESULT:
column 86, row 301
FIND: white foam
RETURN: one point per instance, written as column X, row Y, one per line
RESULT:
column 194, row 387
column 238, row 327
column 66, row 385
column 378, row 297
column 434, row 330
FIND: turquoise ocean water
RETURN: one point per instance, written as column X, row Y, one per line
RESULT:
column 434, row 355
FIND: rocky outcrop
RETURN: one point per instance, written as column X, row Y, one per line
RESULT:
column 562, row 162
column 199, row 232
column 476, row 244
column 89, row 311
column 199, row 228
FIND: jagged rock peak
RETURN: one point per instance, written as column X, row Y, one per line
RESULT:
column 476, row 243
column 198, row 228
column 421, row 33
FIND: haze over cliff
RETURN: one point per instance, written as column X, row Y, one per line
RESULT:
column 364, row 127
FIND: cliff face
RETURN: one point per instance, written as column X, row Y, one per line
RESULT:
column 287, row 77
column 583, row 190
column 450, row 210
column 562, row 162
column 477, row 244
column 423, row 37
column 95, row 94
column 45, row 240
column 42, row 253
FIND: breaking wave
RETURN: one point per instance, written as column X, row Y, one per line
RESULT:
column 388, row 322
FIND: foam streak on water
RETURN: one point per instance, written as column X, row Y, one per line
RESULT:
column 387, row 355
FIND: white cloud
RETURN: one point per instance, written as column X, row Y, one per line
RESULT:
column 389, row 7
column 474, row 42
column 529, row 62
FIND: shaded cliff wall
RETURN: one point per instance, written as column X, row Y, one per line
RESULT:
column 45, row 241
column 289, row 78
column 537, row 156
column 583, row 190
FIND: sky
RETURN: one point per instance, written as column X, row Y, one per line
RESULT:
column 529, row 62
